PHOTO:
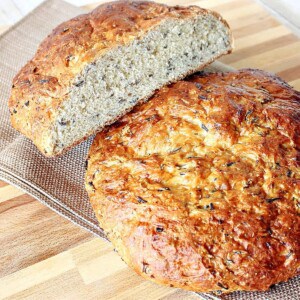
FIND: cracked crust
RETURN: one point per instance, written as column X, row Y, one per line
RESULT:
column 199, row 188
column 44, row 83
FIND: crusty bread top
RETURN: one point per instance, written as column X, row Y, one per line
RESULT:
column 44, row 82
column 199, row 188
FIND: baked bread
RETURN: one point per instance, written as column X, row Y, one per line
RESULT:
column 94, row 68
column 199, row 188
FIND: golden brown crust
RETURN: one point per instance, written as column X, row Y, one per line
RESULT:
column 199, row 187
column 43, row 84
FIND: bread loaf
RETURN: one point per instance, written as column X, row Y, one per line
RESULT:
column 94, row 68
column 199, row 188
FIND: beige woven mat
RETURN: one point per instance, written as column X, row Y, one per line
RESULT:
column 58, row 183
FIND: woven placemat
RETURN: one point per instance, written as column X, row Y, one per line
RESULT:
column 59, row 182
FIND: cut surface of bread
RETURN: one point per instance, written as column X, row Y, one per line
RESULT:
column 199, row 188
column 93, row 69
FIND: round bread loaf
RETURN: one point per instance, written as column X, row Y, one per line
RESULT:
column 199, row 187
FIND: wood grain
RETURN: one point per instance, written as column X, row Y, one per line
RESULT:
column 44, row 256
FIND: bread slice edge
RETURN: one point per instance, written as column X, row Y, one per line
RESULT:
column 62, row 119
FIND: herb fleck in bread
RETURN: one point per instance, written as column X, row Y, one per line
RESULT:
column 199, row 188
column 94, row 68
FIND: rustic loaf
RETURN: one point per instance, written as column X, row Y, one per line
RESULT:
column 200, row 187
column 94, row 68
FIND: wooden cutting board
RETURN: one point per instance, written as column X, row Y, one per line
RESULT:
column 44, row 256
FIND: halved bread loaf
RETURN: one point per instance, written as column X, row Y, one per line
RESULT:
column 94, row 68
